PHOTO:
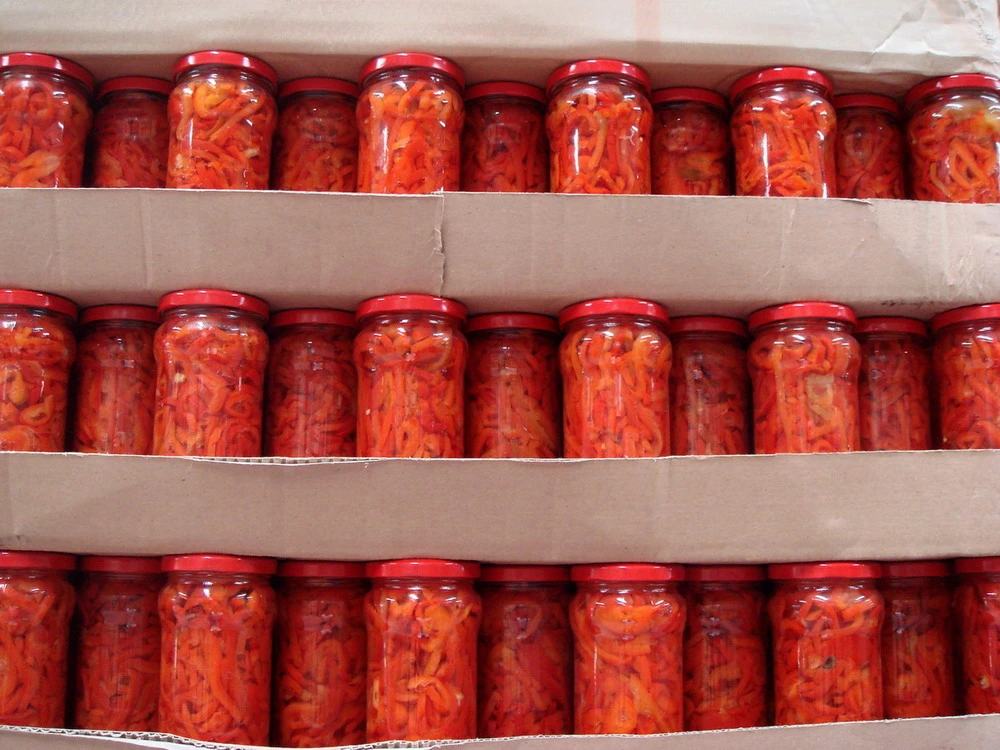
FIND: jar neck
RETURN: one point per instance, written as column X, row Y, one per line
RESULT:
column 108, row 326
column 330, row 95
column 422, row 583
column 697, row 587
column 224, row 71
column 721, row 337
column 543, row 587
column 806, row 324
column 895, row 336
column 210, row 310
column 131, row 95
column 626, row 587
column 208, row 576
column 613, row 319
column 33, row 573
column 46, row 74
column 768, row 88
column 597, row 79
column 826, row 583
column 317, row 582
column 923, row 582
column 411, row 74
column 103, row 576
column 505, row 100
column 873, row 111
column 37, row 312
column 956, row 95
column 408, row 316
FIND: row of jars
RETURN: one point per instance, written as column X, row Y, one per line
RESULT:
column 201, row 377
column 596, row 128
column 215, row 654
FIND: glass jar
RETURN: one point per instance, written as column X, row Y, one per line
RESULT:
column 222, row 120
column 628, row 629
column 311, row 385
column 37, row 348
column 615, row 362
column 691, row 150
column 917, row 638
column 211, row 354
column 118, row 644
column 115, row 380
column 316, row 147
column 36, row 605
column 504, row 149
column 869, row 147
column 44, row 120
column 320, row 662
column 725, row 648
column 804, row 367
column 826, row 624
column 217, row 614
column 894, row 384
column 599, row 123
column 512, row 404
column 410, row 118
column 130, row 136
column 410, row 356
column 783, row 129
column 422, row 618
column 709, row 387
column 967, row 376
column 977, row 608
column 525, row 652
column 953, row 133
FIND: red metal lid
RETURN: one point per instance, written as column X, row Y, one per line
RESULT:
column 213, row 298
column 36, row 561
column 160, row 86
column 628, row 572
column 725, row 573
column 524, row 574
column 978, row 565
column 136, row 313
column 780, row 74
column 412, row 60
column 229, row 60
column 598, row 66
column 263, row 566
column 320, row 569
column 313, row 316
column 890, row 325
column 109, row 564
column 960, row 81
column 797, row 310
column 50, row 62
column 688, row 94
column 823, row 570
column 967, row 314
column 876, row 101
column 708, row 324
column 505, row 88
column 422, row 568
column 411, row 303
column 614, row 306
column 497, row 321
column 319, row 83
column 37, row 300
column 916, row 569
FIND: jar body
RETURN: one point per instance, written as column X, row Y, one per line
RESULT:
column 725, row 656
column 917, row 648
column 709, row 395
column 409, row 132
column 967, row 378
column 115, row 388
column 894, row 392
column 805, row 387
column 37, row 349
column 827, row 651
column 130, row 140
column 316, row 147
column 411, row 372
column 629, row 643
column 512, row 405
column 118, row 652
column 311, row 392
column 869, row 154
column 503, row 146
column 422, row 659
column 615, row 371
column 954, row 146
column 977, row 606
column 783, row 140
column 525, row 660
column 222, row 121
column 215, row 668
column 320, row 663
column 210, row 364
column 690, row 149
column 44, row 123
column 599, row 128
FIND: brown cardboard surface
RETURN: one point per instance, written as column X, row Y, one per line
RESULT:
column 502, row 252
column 683, row 509
column 886, row 45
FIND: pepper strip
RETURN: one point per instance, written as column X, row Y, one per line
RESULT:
column 691, row 150
column 894, row 394
column 130, row 141
column 869, row 154
column 316, row 148
column 967, row 376
column 504, row 148
column 977, row 604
